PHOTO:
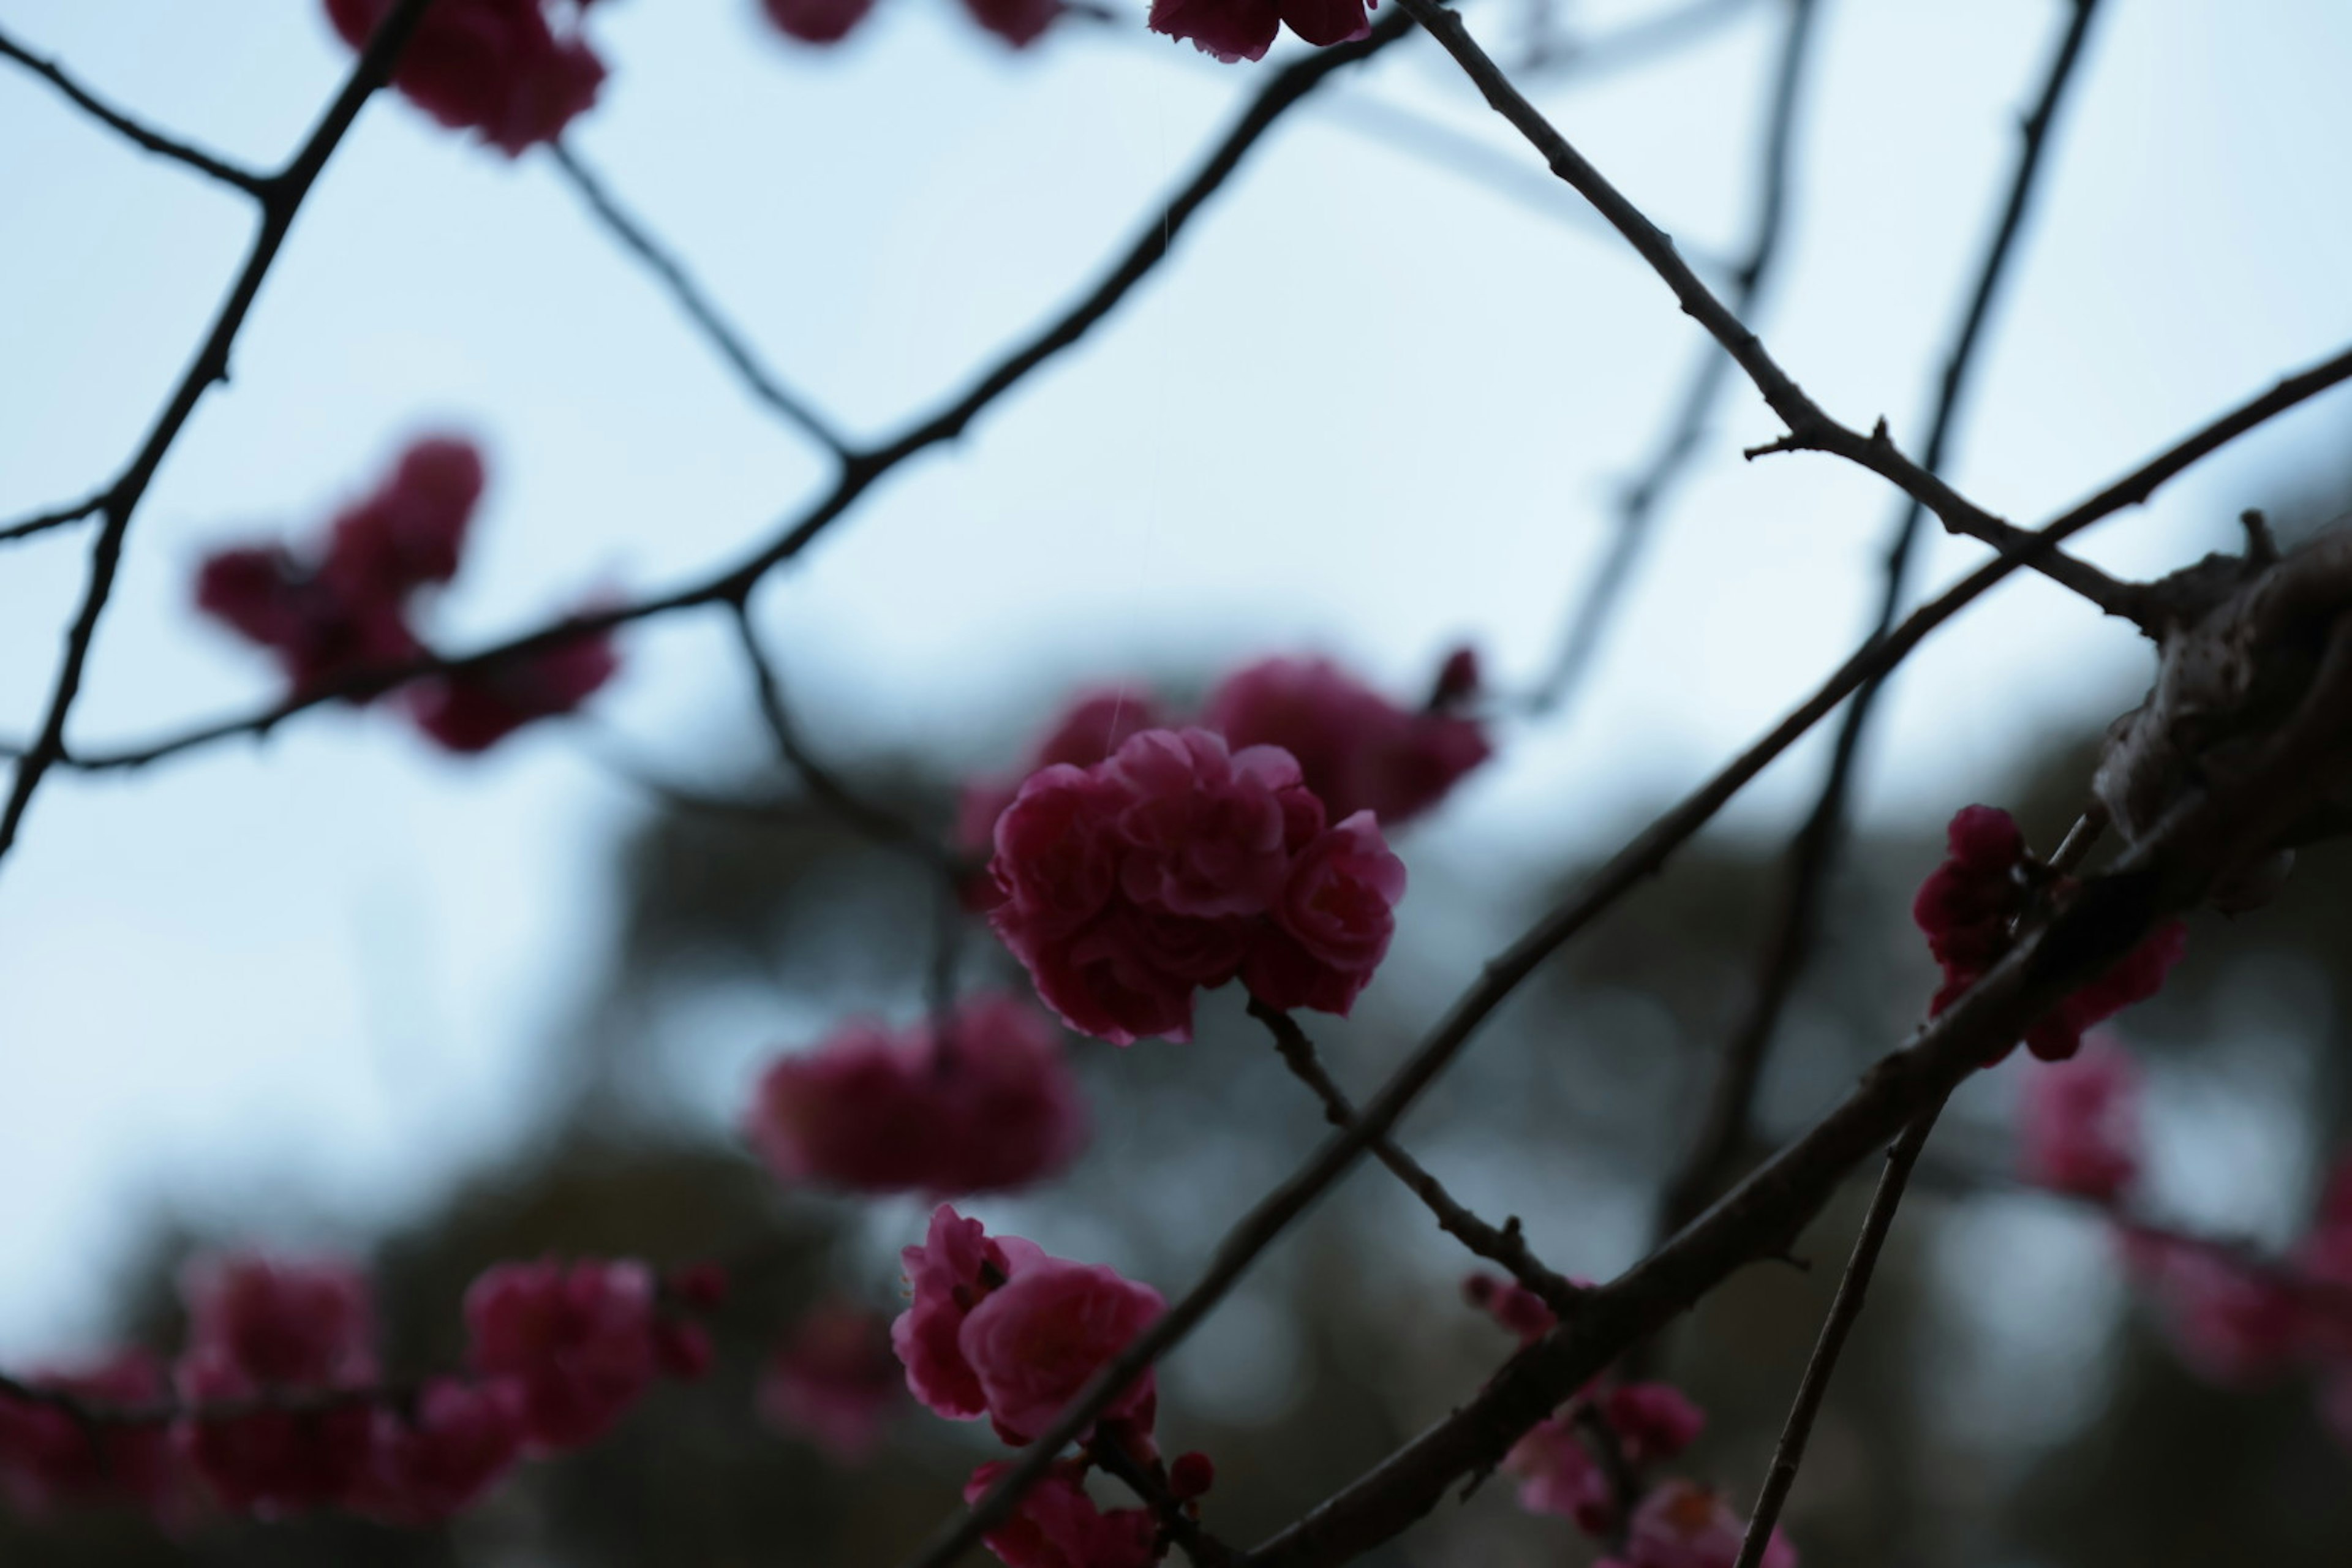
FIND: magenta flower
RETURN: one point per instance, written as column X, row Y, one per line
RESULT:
column 498, row 67
column 1966, row 909
column 1653, row 1421
column 988, row 1105
column 460, row 1442
column 955, row 1268
column 1059, row 1526
column 47, row 1458
column 1684, row 1525
column 1244, row 29
column 472, row 709
column 1358, row 751
column 319, row 634
column 1176, row 864
column 578, row 1342
column 2078, row 1124
column 2232, row 1325
column 1558, row 1476
column 1018, row 22
column 1035, row 1342
column 1510, row 1304
column 834, row 1381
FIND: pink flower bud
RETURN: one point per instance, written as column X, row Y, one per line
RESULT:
column 461, row 1441
column 577, row 1342
column 1189, row 1477
column 497, row 67
column 1653, row 1421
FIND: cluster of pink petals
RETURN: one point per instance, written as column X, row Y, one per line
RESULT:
column 1510, row 1304
column 1056, row 1525
column 979, row 1101
column 517, row 71
column 2239, row 1322
column 1244, row 29
column 834, row 1380
column 1019, row 22
column 1177, row 864
column 278, row 1406
column 1357, row 750
column 1684, row 1525
column 1557, row 1474
column 48, row 1458
column 2079, row 1126
column 344, row 608
column 997, row 1328
column 1969, row 906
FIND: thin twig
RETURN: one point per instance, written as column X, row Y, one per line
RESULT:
column 1203, row 1548
column 281, row 197
column 1504, row 1247
column 1282, row 91
column 1846, row 1308
column 880, row 824
column 1812, row 851
column 1809, row 427
column 181, row 153
column 1789, row 1190
column 690, row 297
column 41, row 522
column 1641, row 499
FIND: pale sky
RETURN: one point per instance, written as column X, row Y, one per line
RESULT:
column 1369, row 407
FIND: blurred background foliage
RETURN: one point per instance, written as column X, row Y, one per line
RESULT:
column 2005, row 1400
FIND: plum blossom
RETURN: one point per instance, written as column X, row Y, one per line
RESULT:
column 1684, row 1525
column 577, row 1342
column 1510, row 1304
column 1178, row 863
column 1970, row 903
column 1019, row 22
column 460, row 1440
column 980, row 1102
column 1653, row 1421
column 1244, row 29
column 473, row 709
column 1358, row 751
column 1056, row 1525
column 1091, row 728
column 1558, row 1475
column 995, row 1327
column 47, row 1458
column 517, row 71
column 2078, row 1124
column 834, row 1381
column 2232, row 1324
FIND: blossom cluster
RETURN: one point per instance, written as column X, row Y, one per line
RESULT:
column 1244, row 29
column 1969, row 908
column 517, row 71
column 995, row 1327
column 1019, row 22
column 277, row 1404
column 1179, row 864
column 1654, row 1522
column 2236, row 1320
column 342, row 607
column 834, row 1380
column 1357, row 750
column 979, row 1100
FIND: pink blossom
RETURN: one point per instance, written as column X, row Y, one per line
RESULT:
column 272, row 1462
column 1207, row 831
column 460, row 1442
column 1511, row 1304
column 473, row 709
column 955, row 1268
column 271, row 596
column 1035, row 1342
column 989, row 1104
column 1106, row 980
column 834, row 1381
column 2231, row 1324
column 282, row 1324
column 1558, row 1475
column 48, row 1457
column 2079, row 1124
column 1190, row 1474
column 410, row 532
column 1357, row 750
column 1244, row 29
column 1056, row 1525
column 498, row 67
column 816, row 21
column 578, row 1342
column 1970, row 903
column 1337, row 914
column 1057, row 852
column 1091, row 728
column 1653, row 1421
column 1020, row 22
column 1682, row 1525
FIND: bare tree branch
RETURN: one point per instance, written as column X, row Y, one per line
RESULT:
column 41, row 522
column 1641, row 499
column 1810, row 428
column 671, row 273
column 1504, row 1247
column 1845, row 1308
column 281, row 197
column 253, row 184
column 1812, row 852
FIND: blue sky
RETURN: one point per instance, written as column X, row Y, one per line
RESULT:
column 1370, row 406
